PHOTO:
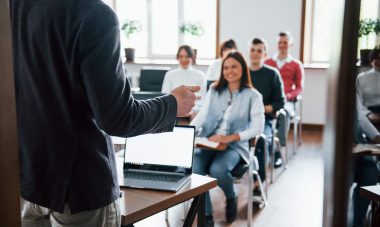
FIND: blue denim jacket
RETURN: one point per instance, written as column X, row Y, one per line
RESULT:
column 246, row 119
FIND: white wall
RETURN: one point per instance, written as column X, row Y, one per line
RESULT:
column 243, row 20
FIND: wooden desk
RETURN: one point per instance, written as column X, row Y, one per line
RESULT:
column 373, row 193
column 138, row 204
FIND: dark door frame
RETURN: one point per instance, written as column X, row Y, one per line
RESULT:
column 338, row 133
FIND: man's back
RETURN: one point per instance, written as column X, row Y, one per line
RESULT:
column 71, row 92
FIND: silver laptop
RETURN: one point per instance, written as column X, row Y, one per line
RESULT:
column 161, row 161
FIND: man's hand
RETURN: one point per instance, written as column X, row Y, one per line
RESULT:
column 374, row 117
column 185, row 96
column 268, row 109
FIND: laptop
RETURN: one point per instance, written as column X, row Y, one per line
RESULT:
column 161, row 161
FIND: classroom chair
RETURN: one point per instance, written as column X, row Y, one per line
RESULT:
column 244, row 167
column 151, row 78
column 281, row 115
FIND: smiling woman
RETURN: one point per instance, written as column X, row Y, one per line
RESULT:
column 232, row 113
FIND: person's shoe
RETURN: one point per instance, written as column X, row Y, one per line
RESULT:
column 257, row 196
column 209, row 221
column 277, row 160
column 231, row 210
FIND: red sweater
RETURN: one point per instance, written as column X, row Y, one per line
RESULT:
column 292, row 74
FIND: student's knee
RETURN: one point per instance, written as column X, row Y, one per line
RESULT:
column 199, row 164
column 219, row 172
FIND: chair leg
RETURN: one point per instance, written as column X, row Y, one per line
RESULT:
column 295, row 134
column 167, row 215
column 261, row 186
column 300, row 124
column 250, row 191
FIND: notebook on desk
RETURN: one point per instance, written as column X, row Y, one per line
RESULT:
column 366, row 149
column 161, row 161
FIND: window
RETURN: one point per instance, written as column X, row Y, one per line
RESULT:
column 319, row 14
column 159, row 37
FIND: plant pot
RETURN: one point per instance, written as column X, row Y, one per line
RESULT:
column 195, row 56
column 364, row 57
column 129, row 54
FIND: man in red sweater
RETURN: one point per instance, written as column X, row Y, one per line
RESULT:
column 291, row 69
column 292, row 74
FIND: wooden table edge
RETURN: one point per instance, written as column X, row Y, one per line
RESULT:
column 163, row 205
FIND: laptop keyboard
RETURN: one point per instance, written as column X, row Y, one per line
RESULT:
column 153, row 176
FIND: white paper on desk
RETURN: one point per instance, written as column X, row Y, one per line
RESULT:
column 367, row 148
column 203, row 141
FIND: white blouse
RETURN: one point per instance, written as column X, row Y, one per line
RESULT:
column 188, row 77
column 214, row 71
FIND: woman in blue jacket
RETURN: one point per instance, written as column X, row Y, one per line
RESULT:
column 232, row 113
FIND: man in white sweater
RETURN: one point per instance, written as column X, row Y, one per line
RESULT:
column 368, row 89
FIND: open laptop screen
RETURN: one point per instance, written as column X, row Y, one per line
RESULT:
column 162, row 149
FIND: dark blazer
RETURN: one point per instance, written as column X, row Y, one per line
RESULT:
column 71, row 92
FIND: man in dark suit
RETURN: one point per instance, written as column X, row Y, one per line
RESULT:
column 72, row 93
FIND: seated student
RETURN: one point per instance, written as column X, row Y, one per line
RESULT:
column 291, row 69
column 214, row 71
column 365, row 169
column 232, row 113
column 267, row 81
column 368, row 89
column 186, row 75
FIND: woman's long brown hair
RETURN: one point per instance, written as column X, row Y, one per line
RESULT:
column 245, row 81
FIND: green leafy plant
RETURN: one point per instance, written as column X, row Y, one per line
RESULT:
column 130, row 27
column 193, row 29
column 366, row 27
column 376, row 30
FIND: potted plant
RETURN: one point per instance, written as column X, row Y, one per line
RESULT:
column 129, row 28
column 376, row 30
column 366, row 27
column 193, row 30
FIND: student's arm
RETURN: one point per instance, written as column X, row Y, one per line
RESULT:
column 278, row 93
column 367, row 127
column 359, row 90
column 105, row 84
column 299, row 80
column 257, row 118
column 166, row 83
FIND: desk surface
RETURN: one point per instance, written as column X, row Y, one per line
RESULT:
column 371, row 192
column 137, row 204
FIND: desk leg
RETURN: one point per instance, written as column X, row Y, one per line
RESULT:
column 202, row 210
column 198, row 206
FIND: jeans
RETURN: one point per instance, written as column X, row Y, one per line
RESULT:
column 217, row 164
column 259, row 152
column 33, row 215
column 365, row 174
column 283, row 125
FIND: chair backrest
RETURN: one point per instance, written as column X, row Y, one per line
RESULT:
column 242, row 167
column 151, row 79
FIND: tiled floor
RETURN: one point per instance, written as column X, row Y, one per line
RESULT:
column 295, row 198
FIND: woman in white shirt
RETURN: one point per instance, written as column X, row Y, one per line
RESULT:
column 185, row 74
column 214, row 71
